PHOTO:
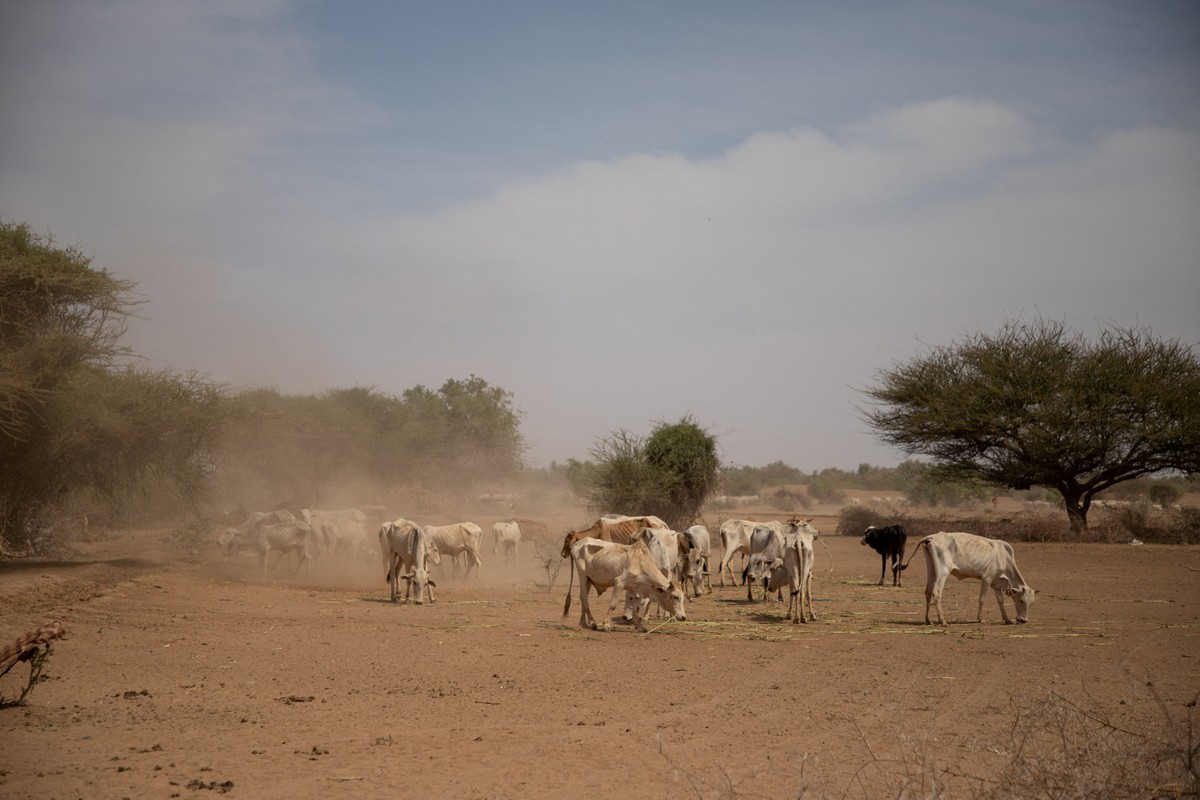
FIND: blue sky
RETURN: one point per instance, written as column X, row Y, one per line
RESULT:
column 620, row 212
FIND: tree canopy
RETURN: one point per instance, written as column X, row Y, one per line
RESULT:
column 76, row 412
column 1037, row 404
column 670, row 474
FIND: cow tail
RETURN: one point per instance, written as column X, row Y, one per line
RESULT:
column 904, row 566
column 570, row 583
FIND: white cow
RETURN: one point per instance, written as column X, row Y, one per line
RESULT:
column 700, row 548
column 286, row 537
column 407, row 554
column 669, row 551
column 506, row 536
column 460, row 538
column 620, row 567
column 966, row 555
column 767, row 541
column 735, row 538
column 339, row 532
column 793, row 569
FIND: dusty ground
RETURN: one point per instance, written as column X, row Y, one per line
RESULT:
column 182, row 675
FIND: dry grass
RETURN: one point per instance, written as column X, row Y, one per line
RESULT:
column 1056, row 748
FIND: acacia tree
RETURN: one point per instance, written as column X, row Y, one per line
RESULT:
column 670, row 474
column 75, row 413
column 1037, row 404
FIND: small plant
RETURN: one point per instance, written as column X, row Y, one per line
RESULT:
column 549, row 558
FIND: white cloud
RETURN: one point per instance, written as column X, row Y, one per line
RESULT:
column 756, row 288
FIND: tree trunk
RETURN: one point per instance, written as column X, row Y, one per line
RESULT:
column 1076, row 504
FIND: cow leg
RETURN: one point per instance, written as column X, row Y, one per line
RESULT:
column 895, row 571
column 612, row 604
column 1000, row 602
column 812, row 611
column 934, row 591
column 585, row 614
column 882, row 567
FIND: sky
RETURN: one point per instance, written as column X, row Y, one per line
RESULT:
column 623, row 213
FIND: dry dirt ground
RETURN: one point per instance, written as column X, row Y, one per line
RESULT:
column 185, row 676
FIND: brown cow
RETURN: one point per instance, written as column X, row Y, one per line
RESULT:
column 612, row 528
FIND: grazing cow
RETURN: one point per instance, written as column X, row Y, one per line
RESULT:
column 669, row 550
column 698, row 555
column 460, row 538
column 965, row 555
column 793, row 569
column 616, row 528
column 620, row 567
column 407, row 553
column 735, row 538
column 888, row 541
column 344, row 531
column 506, row 536
column 286, row 537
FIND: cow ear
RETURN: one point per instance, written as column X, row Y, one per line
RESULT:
column 432, row 583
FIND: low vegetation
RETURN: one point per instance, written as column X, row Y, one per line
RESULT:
column 1140, row 522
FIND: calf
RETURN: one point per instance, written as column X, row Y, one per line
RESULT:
column 965, row 555
column 627, row 567
column 888, row 541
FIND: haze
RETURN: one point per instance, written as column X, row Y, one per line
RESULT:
column 619, row 212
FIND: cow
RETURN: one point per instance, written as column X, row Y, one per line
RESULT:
column 506, row 536
column 766, row 544
column 344, row 531
column 966, row 555
column 620, row 567
column 735, row 538
column 407, row 554
column 698, row 555
column 888, row 541
column 793, row 569
column 239, row 536
column 669, row 550
column 459, row 538
column 286, row 537
column 612, row 528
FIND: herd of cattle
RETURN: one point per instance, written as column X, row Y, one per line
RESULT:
column 639, row 557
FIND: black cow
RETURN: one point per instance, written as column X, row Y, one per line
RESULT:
column 887, row 541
